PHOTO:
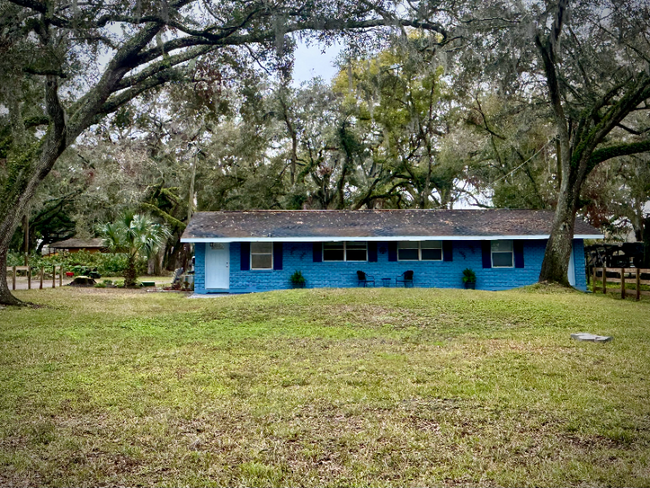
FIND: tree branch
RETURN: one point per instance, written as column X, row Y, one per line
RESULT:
column 600, row 155
column 162, row 65
column 118, row 100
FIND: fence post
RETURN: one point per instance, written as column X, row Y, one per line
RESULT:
column 61, row 275
column 40, row 286
column 593, row 279
column 13, row 280
column 604, row 280
column 29, row 277
column 638, row 285
column 54, row 276
column 622, row 283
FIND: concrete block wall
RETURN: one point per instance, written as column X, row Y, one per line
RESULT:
column 427, row 274
column 579, row 264
column 199, row 268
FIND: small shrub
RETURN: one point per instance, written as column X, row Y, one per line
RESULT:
column 100, row 285
column 297, row 278
column 469, row 276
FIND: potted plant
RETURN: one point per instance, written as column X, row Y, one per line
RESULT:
column 469, row 279
column 297, row 280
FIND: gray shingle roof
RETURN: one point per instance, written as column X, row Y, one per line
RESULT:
column 346, row 224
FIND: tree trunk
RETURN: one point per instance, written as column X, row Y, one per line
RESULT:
column 6, row 298
column 558, row 248
column 36, row 166
column 157, row 269
column 646, row 242
column 130, row 274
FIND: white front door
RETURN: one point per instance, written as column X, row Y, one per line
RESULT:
column 217, row 266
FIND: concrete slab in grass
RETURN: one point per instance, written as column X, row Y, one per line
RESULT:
column 585, row 336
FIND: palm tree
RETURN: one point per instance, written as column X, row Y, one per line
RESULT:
column 134, row 235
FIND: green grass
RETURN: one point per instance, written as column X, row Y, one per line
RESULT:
column 371, row 387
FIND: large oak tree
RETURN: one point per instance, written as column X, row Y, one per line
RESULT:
column 587, row 62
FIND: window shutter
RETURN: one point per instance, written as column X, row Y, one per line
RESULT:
column 372, row 252
column 447, row 251
column 245, row 256
column 518, row 247
column 487, row 253
column 392, row 251
column 318, row 252
column 277, row 255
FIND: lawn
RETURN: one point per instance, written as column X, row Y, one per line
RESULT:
column 373, row 387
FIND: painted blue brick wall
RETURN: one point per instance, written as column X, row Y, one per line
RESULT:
column 199, row 268
column 579, row 263
column 437, row 274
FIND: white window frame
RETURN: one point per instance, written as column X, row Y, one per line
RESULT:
column 442, row 252
column 345, row 253
column 512, row 252
column 260, row 254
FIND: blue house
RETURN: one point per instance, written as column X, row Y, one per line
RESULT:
column 247, row 251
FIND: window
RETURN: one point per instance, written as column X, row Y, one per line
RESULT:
column 345, row 251
column 261, row 255
column 356, row 251
column 408, row 251
column 502, row 254
column 419, row 251
column 333, row 251
column 431, row 250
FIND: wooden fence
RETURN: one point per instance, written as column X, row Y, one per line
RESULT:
column 40, row 273
column 620, row 277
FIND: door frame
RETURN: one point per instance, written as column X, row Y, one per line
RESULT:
column 209, row 268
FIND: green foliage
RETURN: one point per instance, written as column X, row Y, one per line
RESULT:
column 135, row 235
column 106, row 264
column 138, row 236
column 401, row 105
column 297, row 278
column 469, row 276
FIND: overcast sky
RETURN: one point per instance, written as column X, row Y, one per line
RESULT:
column 310, row 62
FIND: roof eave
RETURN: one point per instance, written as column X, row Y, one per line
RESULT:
column 379, row 238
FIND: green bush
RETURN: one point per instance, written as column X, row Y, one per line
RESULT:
column 15, row 259
column 469, row 276
column 297, row 278
column 106, row 264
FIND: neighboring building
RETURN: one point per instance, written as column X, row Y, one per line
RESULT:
column 239, row 252
column 75, row 245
